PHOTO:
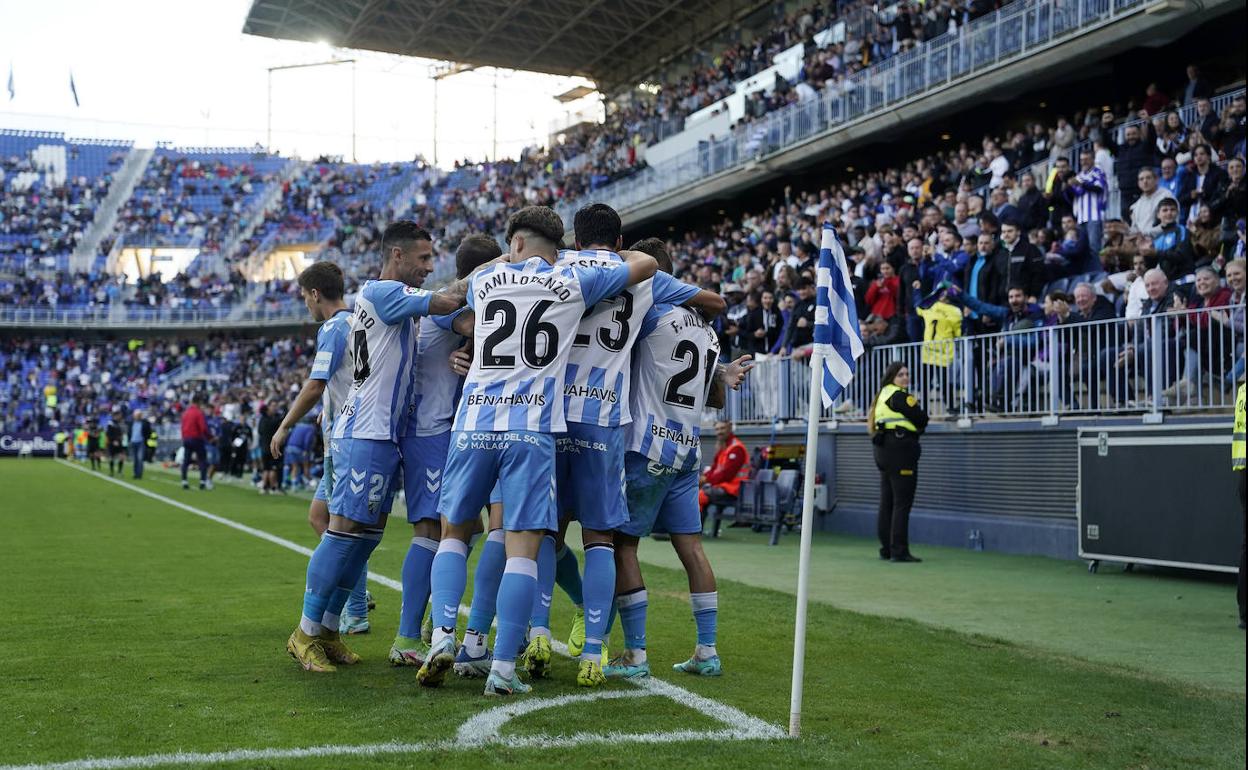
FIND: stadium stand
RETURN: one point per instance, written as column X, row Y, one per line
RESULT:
column 50, row 189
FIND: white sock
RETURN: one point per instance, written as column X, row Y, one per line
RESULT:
column 309, row 627
column 636, row 657
column 537, row 631
column 439, row 634
column 475, row 643
column 504, row 668
column 704, row 651
column 330, row 621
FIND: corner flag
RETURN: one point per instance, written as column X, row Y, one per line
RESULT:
column 833, row 362
column 836, row 322
column 12, row 91
column 73, row 89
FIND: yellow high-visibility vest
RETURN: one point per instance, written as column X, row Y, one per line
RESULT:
column 1241, row 426
column 886, row 417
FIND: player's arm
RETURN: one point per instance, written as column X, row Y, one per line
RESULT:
column 668, row 290
column 464, row 322
column 309, row 395
column 729, row 375
column 640, row 266
column 457, row 292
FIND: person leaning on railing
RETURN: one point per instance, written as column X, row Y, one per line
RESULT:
column 895, row 422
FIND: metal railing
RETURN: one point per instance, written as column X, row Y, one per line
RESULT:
column 1187, row 360
column 1008, row 34
column 105, row 316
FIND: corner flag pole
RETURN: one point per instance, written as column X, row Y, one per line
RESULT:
column 808, row 527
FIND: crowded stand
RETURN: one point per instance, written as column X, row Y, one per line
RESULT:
column 197, row 198
column 74, row 388
column 50, row 188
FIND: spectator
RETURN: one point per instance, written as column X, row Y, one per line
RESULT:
column 1144, row 210
column 1196, row 87
column 1025, row 262
column 763, row 325
column 1135, row 153
column 1205, row 183
column 877, row 331
column 942, row 324
column 883, row 293
column 1089, row 306
column 1171, row 247
column 1013, row 351
column 801, row 331
column 1196, row 335
column 1088, row 198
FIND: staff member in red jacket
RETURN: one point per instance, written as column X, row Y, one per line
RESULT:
column 722, row 481
column 195, row 441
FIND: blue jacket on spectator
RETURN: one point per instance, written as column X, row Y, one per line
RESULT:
column 942, row 267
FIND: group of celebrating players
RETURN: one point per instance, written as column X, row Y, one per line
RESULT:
column 548, row 384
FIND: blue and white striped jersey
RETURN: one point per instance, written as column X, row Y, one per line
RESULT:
column 526, row 321
column 435, row 387
column 674, row 365
column 383, row 346
column 598, row 379
column 333, row 365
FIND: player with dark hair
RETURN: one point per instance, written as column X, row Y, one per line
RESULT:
column 364, row 443
column 677, row 377
column 115, row 438
column 524, row 316
column 423, row 446
column 590, row 455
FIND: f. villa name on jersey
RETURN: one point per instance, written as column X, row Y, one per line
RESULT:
column 675, row 436
column 552, row 281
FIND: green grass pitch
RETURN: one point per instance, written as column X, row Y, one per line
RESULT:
column 136, row 628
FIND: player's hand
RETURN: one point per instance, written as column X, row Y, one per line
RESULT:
column 279, row 441
column 461, row 360
column 735, row 372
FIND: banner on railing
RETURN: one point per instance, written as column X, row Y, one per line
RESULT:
column 27, row 445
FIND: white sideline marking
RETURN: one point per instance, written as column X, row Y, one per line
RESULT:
column 480, row 730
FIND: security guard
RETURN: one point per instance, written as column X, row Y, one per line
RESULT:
column 1237, row 465
column 895, row 423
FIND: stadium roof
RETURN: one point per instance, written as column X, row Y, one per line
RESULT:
column 613, row 42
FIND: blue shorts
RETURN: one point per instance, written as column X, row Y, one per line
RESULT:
column 325, row 488
column 496, row 494
column 294, row 455
column 365, row 472
column 660, row 498
column 214, row 455
column 590, row 470
column 523, row 465
column 424, row 458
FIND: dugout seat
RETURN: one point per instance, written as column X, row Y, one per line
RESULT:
column 746, row 509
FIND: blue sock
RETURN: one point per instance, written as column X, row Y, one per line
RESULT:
column 416, row 571
column 357, row 599
column 447, row 580
column 539, row 622
column 515, row 601
column 568, row 575
column 485, row 582
column 599, row 594
column 325, row 567
column 366, row 542
column 632, row 607
column 705, row 615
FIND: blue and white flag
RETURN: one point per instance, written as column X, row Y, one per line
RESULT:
column 837, row 339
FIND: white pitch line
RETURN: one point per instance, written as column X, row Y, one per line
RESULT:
column 740, row 726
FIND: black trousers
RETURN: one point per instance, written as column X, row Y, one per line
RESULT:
column 897, row 457
column 1241, row 591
